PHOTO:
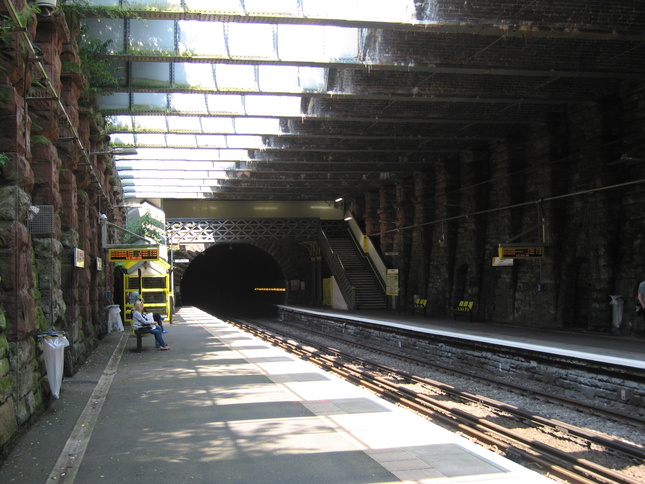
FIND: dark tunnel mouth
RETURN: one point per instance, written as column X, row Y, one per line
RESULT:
column 234, row 279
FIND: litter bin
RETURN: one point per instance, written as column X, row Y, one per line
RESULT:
column 54, row 343
column 618, row 303
column 114, row 322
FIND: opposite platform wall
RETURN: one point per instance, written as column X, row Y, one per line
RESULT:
column 441, row 230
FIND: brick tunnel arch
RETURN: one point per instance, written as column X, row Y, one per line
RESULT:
column 222, row 280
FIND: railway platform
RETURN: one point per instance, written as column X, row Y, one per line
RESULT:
column 628, row 351
column 225, row 407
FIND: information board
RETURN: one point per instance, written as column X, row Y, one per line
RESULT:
column 521, row 252
column 120, row 255
column 79, row 258
column 392, row 282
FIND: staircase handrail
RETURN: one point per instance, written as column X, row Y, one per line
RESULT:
column 371, row 254
column 338, row 270
column 377, row 275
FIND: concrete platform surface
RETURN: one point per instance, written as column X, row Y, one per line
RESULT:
column 225, row 407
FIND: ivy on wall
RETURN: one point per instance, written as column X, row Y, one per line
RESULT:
column 147, row 226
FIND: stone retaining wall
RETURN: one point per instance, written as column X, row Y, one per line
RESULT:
column 574, row 186
column 42, row 166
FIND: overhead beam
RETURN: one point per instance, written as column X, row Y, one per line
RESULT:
column 420, row 98
column 320, row 118
column 381, row 67
column 413, row 25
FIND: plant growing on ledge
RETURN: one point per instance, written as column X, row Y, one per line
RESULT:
column 9, row 25
column 98, row 70
column 147, row 226
column 83, row 8
column 4, row 159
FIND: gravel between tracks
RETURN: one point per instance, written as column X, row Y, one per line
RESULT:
column 625, row 432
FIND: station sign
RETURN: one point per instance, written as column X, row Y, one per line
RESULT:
column 134, row 254
column 520, row 252
column 497, row 262
column 392, row 282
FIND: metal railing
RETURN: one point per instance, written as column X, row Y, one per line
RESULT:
column 366, row 256
column 338, row 270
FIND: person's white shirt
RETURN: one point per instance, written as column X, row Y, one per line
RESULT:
column 140, row 320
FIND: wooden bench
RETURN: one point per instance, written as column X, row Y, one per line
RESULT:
column 420, row 305
column 464, row 307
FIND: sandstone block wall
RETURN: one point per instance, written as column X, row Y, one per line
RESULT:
column 42, row 165
column 566, row 185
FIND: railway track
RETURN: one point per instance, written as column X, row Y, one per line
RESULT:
column 587, row 408
column 427, row 397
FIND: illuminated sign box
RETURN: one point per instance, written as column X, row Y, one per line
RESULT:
column 520, row 252
column 121, row 255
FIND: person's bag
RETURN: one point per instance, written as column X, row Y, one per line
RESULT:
column 639, row 310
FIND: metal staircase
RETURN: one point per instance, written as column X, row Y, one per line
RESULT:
column 368, row 291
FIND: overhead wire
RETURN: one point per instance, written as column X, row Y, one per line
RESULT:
column 516, row 205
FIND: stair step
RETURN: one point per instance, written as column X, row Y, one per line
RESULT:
column 369, row 293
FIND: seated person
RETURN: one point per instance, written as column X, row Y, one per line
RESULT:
column 158, row 318
column 143, row 325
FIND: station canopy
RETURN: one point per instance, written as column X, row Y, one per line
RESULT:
column 297, row 100
column 205, row 86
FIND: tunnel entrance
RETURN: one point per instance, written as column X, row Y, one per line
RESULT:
column 234, row 279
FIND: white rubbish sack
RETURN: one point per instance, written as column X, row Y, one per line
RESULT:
column 114, row 322
column 53, row 348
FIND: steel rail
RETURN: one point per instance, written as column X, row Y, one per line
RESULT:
column 580, row 470
column 633, row 420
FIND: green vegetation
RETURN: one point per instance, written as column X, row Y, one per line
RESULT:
column 8, row 25
column 36, row 84
column 146, row 83
column 71, row 67
column 96, row 66
column 6, row 385
column 145, row 225
column 39, row 140
column 98, row 69
column 6, row 92
column 24, row 18
column 75, row 9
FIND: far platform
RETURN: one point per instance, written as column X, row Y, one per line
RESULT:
column 599, row 347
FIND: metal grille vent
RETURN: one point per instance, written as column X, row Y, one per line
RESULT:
column 40, row 219
column 132, row 283
column 154, row 283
